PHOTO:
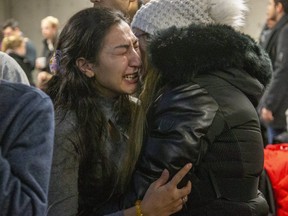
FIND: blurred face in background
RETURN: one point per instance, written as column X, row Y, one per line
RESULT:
column 271, row 10
column 275, row 11
column 9, row 31
column 48, row 30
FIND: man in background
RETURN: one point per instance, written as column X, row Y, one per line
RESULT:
column 275, row 100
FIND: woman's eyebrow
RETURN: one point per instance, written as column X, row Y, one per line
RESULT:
column 121, row 46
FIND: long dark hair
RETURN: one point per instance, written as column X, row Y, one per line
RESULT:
column 73, row 91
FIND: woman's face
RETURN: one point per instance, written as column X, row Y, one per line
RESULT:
column 119, row 62
column 142, row 37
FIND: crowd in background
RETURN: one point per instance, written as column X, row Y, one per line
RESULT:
column 22, row 49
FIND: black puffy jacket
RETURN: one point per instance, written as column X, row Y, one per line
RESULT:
column 214, row 77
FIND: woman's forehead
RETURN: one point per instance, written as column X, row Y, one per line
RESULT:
column 119, row 33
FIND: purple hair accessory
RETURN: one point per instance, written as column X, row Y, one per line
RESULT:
column 54, row 63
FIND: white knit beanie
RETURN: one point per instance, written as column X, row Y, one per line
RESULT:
column 161, row 14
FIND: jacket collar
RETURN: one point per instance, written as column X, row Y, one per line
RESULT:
column 180, row 54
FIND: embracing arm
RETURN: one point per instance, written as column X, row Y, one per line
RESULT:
column 162, row 198
column 180, row 121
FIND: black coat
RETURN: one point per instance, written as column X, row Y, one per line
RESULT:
column 205, row 114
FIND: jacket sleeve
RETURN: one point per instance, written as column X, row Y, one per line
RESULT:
column 25, row 164
column 63, row 188
column 177, row 124
column 276, row 92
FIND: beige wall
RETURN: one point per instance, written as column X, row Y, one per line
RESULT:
column 4, row 10
column 30, row 12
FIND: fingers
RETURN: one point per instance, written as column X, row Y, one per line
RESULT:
column 180, row 174
column 166, row 196
column 179, row 204
column 163, row 179
column 187, row 189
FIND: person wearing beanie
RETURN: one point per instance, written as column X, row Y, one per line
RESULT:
column 202, row 84
column 156, row 15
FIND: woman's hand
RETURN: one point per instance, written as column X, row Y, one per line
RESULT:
column 162, row 198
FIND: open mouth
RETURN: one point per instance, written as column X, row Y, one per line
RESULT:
column 131, row 77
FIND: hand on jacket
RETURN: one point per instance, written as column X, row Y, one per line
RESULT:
column 164, row 198
column 266, row 115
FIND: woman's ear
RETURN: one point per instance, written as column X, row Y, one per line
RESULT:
column 85, row 67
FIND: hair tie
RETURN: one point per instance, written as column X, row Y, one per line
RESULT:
column 55, row 60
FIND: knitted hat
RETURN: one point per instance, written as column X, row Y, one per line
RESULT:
column 161, row 14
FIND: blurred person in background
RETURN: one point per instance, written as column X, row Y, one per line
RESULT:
column 198, row 104
column 11, row 27
column 16, row 48
column 50, row 29
column 274, row 102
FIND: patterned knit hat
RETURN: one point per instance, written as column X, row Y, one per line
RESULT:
column 161, row 14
